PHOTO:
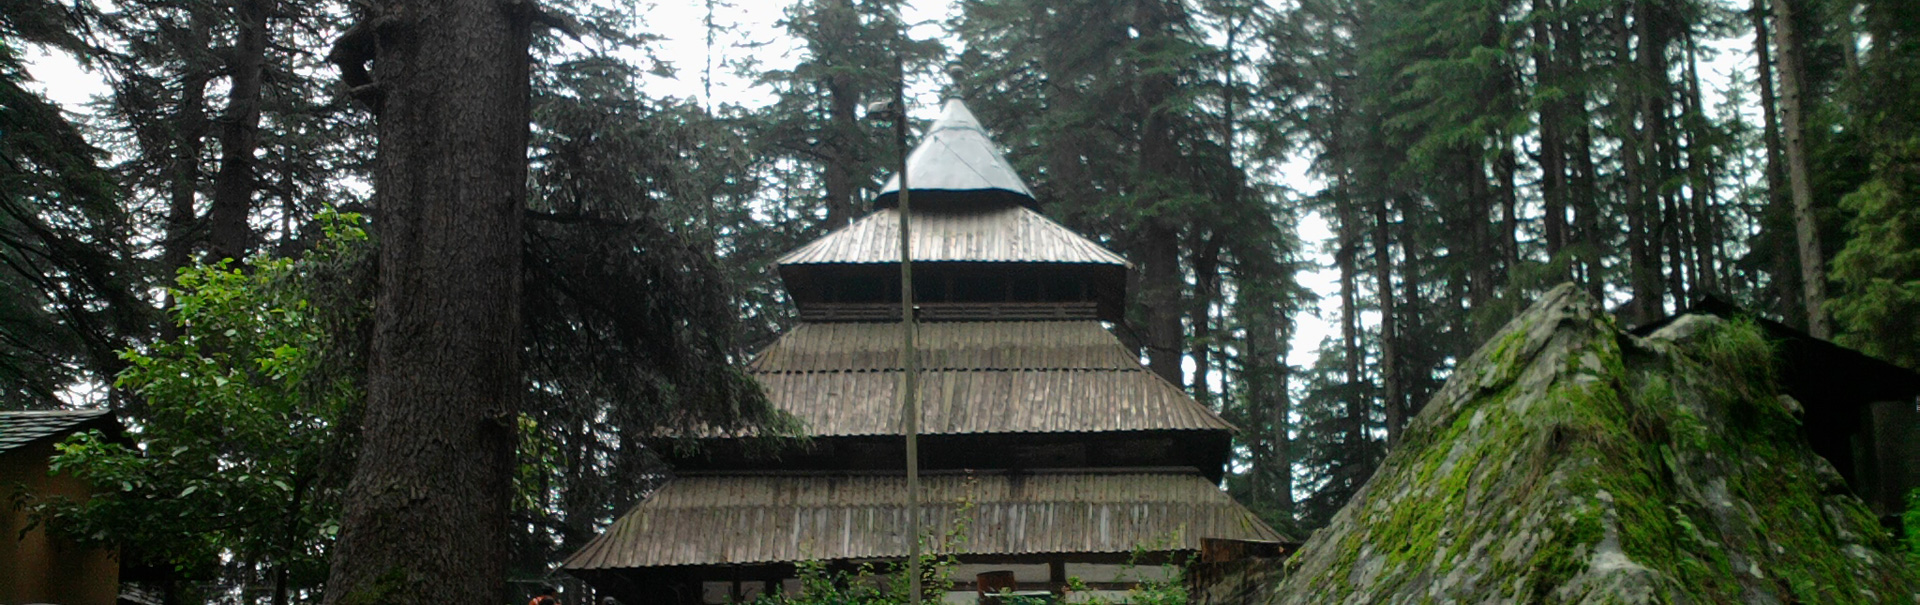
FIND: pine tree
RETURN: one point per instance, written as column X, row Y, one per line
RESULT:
column 1878, row 270
column 426, row 514
column 70, row 302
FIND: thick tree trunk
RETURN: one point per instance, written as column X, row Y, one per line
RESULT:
column 841, row 193
column 1160, row 291
column 844, row 131
column 425, row 518
column 1640, row 155
column 1161, row 281
column 229, row 235
column 1806, row 228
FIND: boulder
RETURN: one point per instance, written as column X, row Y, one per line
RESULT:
column 1567, row 461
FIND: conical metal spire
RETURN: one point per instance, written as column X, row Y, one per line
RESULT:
column 956, row 163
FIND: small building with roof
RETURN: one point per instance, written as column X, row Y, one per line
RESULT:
column 1041, row 434
column 36, row 566
column 1860, row 413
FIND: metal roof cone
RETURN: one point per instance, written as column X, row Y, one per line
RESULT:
column 956, row 162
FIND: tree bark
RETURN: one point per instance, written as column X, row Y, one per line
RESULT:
column 1206, row 290
column 1706, row 237
column 1813, row 271
column 843, row 132
column 1784, row 265
column 1161, row 281
column 1642, row 132
column 1391, row 387
column 229, row 235
column 425, row 517
column 1505, row 169
column 1553, row 174
column 183, row 177
column 1346, row 257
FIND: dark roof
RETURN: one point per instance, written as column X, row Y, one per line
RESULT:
column 18, row 429
column 1811, row 369
column 723, row 519
column 841, row 379
column 990, row 233
column 957, row 157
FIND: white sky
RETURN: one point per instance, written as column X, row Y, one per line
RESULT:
column 755, row 33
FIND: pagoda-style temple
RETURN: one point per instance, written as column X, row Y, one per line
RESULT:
column 1040, row 433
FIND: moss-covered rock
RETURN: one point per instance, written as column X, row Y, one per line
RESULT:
column 1567, row 461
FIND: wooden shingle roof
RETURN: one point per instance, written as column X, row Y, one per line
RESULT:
column 20, row 428
column 840, row 379
column 1003, row 233
column 725, row 519
column 1008, row 345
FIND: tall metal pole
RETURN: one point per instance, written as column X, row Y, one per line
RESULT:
column 909, row 361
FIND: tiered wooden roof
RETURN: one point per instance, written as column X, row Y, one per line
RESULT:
column 991, row 233
column 740, row 519
column 1017, row 375
column 841, row 379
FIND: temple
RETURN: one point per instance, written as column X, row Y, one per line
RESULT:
column 1048, row 451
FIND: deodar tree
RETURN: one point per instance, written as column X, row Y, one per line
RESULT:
column 426, row 513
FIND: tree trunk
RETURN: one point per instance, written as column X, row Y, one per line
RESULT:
column 1553, row 174
column 1706, row 236
column 1784, row 266
column 841, row 193
column 1813, row 271
column 1473, row 228
column 229, row 235
column 1640, row 159
column 425, row 517
column 1346, row 258
column 1161, row 281
column 1206, row 291
column 183, row 177
column 844, row 131
column 1160, row 291
column 1505, row 169
column 1391, row 387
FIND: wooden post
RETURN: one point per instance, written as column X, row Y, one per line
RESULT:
column 1057, row 576
column 992, row 582
column 909, row 363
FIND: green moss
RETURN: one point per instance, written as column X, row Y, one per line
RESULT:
column 1682, row 454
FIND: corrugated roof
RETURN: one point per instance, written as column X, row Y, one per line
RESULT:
column 996, row 233
column 977, row 377
column 956, row 155
column 708, row 520
column 20, row 428
column 986, row 345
